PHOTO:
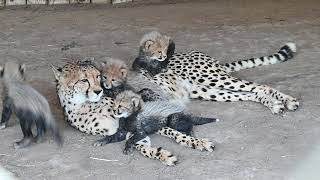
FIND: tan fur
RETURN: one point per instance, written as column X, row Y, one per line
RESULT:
column 82, row 78
column 155, row 45
column 127, row 102
column 114, row 73
column 86, row 110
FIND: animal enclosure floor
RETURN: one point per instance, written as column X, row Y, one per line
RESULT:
column 251, row 143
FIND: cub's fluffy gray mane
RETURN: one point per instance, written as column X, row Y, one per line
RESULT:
column 149, row 36
column 161, row 108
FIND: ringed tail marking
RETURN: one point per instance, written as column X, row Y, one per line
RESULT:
column 285, row 53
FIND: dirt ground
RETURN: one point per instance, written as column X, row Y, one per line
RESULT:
column 251, row 142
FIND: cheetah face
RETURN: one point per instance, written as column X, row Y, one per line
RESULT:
column 79, row 82
column 114, row 73
column 126, row 104
column 157, row 48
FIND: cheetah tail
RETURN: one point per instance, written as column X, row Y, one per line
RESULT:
column 196, row 120
column 285, row 53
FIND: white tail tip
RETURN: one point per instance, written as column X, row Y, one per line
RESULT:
column 292, row 46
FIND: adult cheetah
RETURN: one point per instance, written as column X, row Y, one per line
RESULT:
column 199, row 76
column 88, row 110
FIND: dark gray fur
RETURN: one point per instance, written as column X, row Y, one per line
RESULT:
column 154, row 67
column 28, row 105
column 146, row 93
column 150, row 118
column 156, row 115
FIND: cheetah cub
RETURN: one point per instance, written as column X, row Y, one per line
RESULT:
column 28, row 105
column 114, row 80
column 145, row 118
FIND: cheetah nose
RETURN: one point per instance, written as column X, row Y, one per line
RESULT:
column 164, row 57
column 97, row 91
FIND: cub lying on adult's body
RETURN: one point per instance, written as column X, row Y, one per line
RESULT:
column 116, row 78
column 114, row 81
column 161, row 117
column 205, row 78
column 28, row 105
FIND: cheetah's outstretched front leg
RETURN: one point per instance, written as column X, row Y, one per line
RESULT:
column 185, row 140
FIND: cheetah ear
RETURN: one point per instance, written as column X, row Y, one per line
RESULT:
column 136, row 102
column 124, row 72
column 1, row 70
column 148, row 44
column 22, row 68
column 57, row 71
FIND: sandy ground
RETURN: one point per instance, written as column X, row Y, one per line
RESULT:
column 251, row 142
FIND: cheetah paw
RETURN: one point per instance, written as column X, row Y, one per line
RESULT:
column 292, row 104
column 277, row 108
column 168, row 159
column 205, row 144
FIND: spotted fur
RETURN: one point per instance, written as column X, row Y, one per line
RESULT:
column 198, row 76
column 144, row 118
column 81, row 96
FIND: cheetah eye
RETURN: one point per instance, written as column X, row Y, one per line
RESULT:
column 84, row 80
column 159, row 52
column 113, row 80
column 98, row 76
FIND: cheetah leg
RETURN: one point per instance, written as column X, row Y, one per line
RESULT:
column 160, row 154
column 120, row 135
column 227, row 82
column 185, row 140
column 148, row 95
column 213, row 94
